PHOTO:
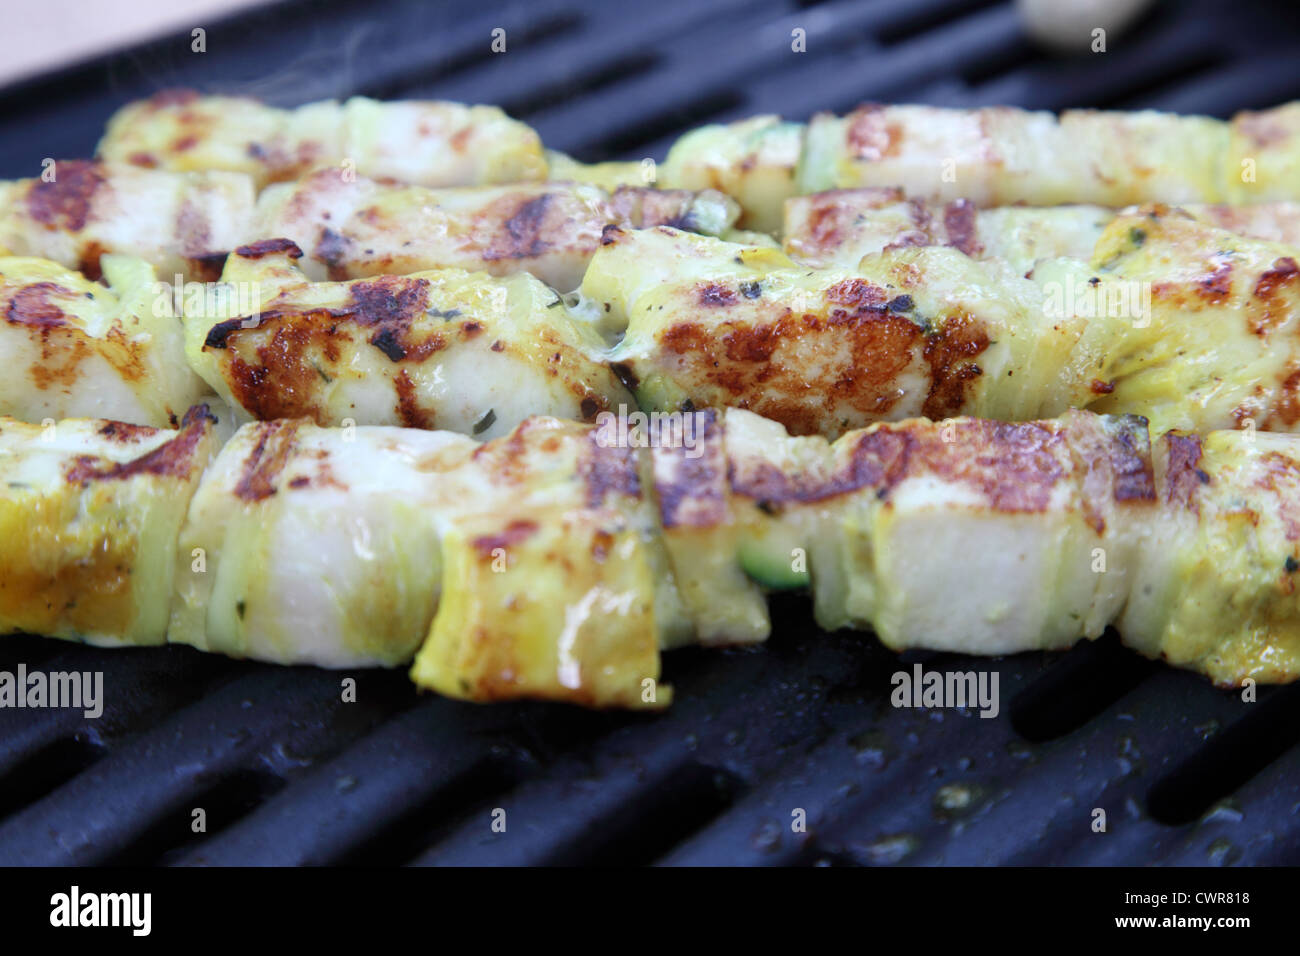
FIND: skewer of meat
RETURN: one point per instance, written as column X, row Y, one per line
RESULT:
column 556, row 562
column 352, row 227
column 838, row 228
column 1173, row 319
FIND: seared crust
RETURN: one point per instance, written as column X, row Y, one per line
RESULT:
column 690, row 482
column 1011, row 467
column 1183, row 476
column 67, row 202
column 273, row 447
column 821, row 352
column 177, row 458
column 755, row 357
column 1113, row 455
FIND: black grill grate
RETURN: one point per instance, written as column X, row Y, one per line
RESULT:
column 288, row 773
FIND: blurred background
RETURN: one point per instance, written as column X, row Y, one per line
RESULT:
column 605, row 80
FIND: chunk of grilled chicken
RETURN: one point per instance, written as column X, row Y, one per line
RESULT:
column 448, row 349
column 77, row 348
column 90, row 513
column 352, row 227
column 320, row 546
column 432, row 143
column 838, row 228
column 1215, row 585
column 997, row 156
column 556, row 582
column 1220, row 348
column 180, row 223
column 1174, row 319
column 528, row 567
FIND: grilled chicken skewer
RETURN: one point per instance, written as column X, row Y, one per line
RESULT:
column 995, row 157
column 558, row 561
column 430, row 143
column 992, row 157
column 1173, row 319
column 1156, row 324
column 180, row 223
column 186, row 223
column 912, row 331
column 838, row 228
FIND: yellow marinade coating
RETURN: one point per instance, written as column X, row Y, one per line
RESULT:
column 1219, row 350
column 541, row 626
column 90, row 511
